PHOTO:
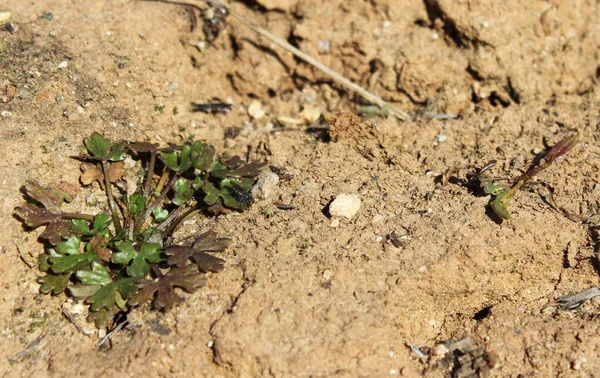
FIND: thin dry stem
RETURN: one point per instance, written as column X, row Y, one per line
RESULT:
column 372, row 98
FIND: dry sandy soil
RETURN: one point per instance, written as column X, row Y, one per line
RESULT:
column 300, row 297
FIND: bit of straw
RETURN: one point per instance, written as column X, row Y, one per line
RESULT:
column 372, row 98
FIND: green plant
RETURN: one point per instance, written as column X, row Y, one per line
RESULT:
column 125, row 256
column 502, row 196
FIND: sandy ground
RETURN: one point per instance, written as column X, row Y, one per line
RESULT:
column 304, row 294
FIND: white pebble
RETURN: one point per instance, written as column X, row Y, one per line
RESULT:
column 255, row 110
column 62, row 65
column 334, row 223
column 441, row 138
column 265, row 186
column 6, row 114
column 576, row 365
column 345, row 205
column 310, row 114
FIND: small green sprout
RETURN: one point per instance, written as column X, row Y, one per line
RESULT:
column 503, row 199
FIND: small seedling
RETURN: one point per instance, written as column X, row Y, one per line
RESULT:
column 502, row 195
column 503, row 198
column 125, row 256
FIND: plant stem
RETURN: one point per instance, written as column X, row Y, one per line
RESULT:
column 149, row 174
column 111, row 200
column 161, row 182
column 164, row 225
column 141, row 220
column 87, row 217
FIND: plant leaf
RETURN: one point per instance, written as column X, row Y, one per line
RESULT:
column 97, row 145
column 49, row 197
column 55, row 283
column 178, row 162
column 69, row 263
column 104, row 298
column 213, row 195
column 160, row 214
column 34, row 216
column 103, row 149
column 99, row 275
column 251, row 169
column 187, row 277
column 144, row 147
column 57, row 230
column 207, row 242
column 183, row 192
column 137, row 261
column 136, row 204
column 69, row 247
column 202, row 155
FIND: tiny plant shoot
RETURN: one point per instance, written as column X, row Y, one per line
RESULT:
column 124, row 256
column 504, row 197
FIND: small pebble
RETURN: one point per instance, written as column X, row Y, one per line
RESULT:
column 345, row 205
column 328, row 274
column 334, row 223
column 53, row 33
column 324, row 47
column 173, row 87
column 441, row 138
column 576, row 365
column 439, row 350
column 5, row 114
column 62, row 65
column 255, row 110
column 288, row 120
column 310, row 114
column 265, row 186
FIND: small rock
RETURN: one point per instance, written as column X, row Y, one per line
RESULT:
column 328, row 274
column 345, row 205
column 324, row 47
column 441, row 138
column 265, row 186
column 5, row 114
column 576, row 365
column 290, row 121
column 4, row 16
column 53, row 33
column 439, row 350
column 310, row 114
column 173, row 87
column 62, row 65
column 334, row 223
column 255, row 110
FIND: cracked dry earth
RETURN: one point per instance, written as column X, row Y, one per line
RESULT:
column 304, row 294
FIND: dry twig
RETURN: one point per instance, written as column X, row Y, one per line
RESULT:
column 372, row 98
